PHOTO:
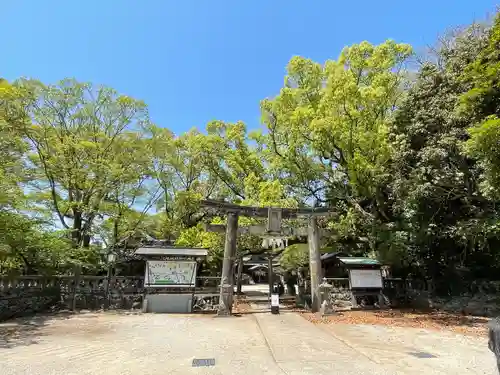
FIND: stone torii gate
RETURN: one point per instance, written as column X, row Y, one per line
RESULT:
column 272, row 229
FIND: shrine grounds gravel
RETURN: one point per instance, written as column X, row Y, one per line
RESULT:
column 259, row 343
column 408, row 318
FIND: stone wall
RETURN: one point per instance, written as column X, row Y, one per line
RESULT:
column 396, row 292
column 29, row 302
column 341, row 298
column 340, row 293
column 28, row 295
column 481, row 299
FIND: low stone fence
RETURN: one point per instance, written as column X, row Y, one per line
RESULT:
column 206, row 294
column 340, row 293
column 397, row 292
column 480, row 298
column 28, row 295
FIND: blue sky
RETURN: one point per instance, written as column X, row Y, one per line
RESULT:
column 195, row 61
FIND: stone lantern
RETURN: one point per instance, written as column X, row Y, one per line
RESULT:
column 325, row 290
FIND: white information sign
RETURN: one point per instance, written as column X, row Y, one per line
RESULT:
column 170, row 273
column 275, row 300
column 366, row 279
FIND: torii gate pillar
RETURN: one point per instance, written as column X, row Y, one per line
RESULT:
column 227, row 282
column 313, row 238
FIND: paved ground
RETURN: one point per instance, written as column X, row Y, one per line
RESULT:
column 454, row 353
column 261, row 343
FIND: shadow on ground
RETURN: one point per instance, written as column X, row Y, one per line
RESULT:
column 26, row 331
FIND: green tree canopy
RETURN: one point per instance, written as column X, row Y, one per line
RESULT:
column 482, row 104
column 406, row 157
column 84, row 144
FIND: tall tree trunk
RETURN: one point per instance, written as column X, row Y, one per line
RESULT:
column 76, row 234
column 86, row 240
column 115, row 230
column 28, row 267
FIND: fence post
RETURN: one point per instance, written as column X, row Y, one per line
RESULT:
column 107, row 291
column 76, row 280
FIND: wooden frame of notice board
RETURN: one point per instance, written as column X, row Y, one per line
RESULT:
column 372, row 285
column 372, row 279
column 171, row 269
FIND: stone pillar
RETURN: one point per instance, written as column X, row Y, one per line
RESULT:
column 240, row 274
column 76, row 281
column 314, row 262
column 227, row 280
column 381, row 300
column 354, row 299
column 270, row 274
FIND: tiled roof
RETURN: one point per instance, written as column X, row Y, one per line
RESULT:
column 171, row 250
column 359, row 261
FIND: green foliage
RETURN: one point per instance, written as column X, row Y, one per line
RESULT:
column 408, row 162
column 26, row 247
column 329, row 123
column 294, row 257
column 327, row 139
column 482, row 103
column 442, row 221
column 484, row 145
column 220, row 164
column 214, row 242
column 83, row 148
column 484, row 96
column 12, row 147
